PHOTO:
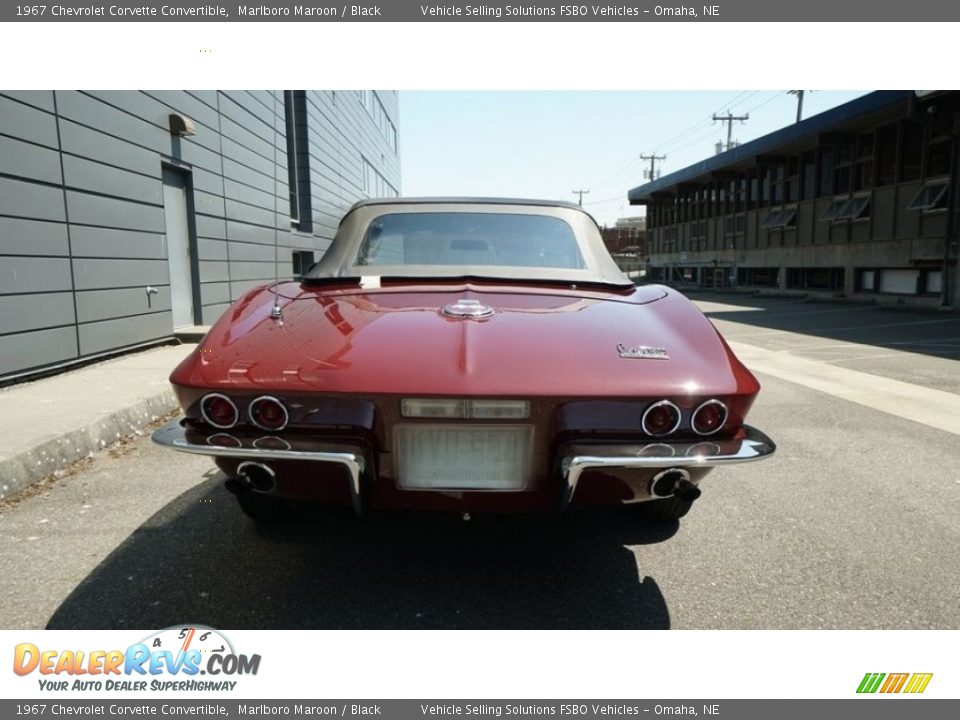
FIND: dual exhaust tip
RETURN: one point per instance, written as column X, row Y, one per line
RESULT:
column 255, row 476
column 674, row 482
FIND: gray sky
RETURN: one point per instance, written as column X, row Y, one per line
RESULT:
column 546, row 144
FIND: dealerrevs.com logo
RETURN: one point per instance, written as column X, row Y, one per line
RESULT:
column 171, row 659
column 911, row 683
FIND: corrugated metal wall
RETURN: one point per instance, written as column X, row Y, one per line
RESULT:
column 82, row 218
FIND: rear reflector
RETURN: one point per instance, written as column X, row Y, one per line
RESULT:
column 463, row 457
column 462, row 409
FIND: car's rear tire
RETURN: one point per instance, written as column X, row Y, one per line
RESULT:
column 263, row 509
column 665, row 510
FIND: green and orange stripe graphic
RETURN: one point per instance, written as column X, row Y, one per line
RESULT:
column 894, row 682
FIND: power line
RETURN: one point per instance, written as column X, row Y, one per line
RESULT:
column 621, row 198
column 737, row 99
column 769, row 100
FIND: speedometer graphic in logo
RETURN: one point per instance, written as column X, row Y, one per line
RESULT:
column 184, row 638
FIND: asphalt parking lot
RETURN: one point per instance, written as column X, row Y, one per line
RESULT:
column 855, row 523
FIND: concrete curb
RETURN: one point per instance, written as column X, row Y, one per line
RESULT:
column 23, row 470
column 47, row 425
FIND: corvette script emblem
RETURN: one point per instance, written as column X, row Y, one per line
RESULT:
column 643, row 352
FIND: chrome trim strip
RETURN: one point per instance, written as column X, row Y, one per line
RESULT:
column 701, row 406
column 203, row 411
column 755, row 446
column 253, row 420
column 643, row 418
column 172, row 435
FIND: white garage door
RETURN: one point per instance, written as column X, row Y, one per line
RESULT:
column 902, row 282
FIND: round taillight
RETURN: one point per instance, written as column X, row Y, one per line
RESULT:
column 268, row 413
column 661, row 418
column 709, row 417
column 219, row 411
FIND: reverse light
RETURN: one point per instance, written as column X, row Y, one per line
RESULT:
column 462, row 409
column 708, row 417
column 268, row 413
column 661, row 418
column 218, row 410
column 499, row 409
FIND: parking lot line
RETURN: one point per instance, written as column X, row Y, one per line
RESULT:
column 934, row 408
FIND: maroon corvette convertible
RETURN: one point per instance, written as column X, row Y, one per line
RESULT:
column 468, row 355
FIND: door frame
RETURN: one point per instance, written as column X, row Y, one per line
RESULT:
column 186, row 173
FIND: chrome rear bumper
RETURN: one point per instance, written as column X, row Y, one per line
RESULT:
column 575, row 459
column 175, row 435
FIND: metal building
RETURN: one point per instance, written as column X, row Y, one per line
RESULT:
column 859, row 201
column 127, row 216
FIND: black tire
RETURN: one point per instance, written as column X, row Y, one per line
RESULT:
column 665, row 510
column 263, row 509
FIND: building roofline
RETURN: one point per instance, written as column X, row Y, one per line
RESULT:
column 872, row 102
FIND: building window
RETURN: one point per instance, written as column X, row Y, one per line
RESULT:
column 782, row 218
column 843, row 169
column 855, row 208
column 298, row 158
column 302, row 262
column 371, row 102
column 374, row 184
column 759, row 276
column 932, row 196
column 825, row 186
column 912, row 154
column 887, row 155
column 828, row 278
column 809, row 176
column 833, row 209
column 863, row 164
column 867, row 281
column 938, row 158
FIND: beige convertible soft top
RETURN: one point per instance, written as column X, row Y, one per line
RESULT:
column 343, row 258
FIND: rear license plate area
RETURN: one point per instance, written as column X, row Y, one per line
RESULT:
column 463, row 457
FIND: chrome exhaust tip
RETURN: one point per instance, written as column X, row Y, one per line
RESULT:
column 257, row 476
column 674, row 482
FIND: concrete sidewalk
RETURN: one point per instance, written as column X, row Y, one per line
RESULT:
column 47, row 424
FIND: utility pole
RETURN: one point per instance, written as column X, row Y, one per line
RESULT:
column 653, row 164
column 729, row 119
column 799, row 94
column 581, row 193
